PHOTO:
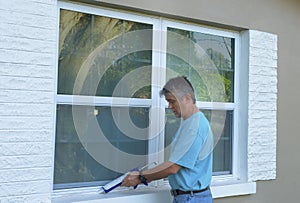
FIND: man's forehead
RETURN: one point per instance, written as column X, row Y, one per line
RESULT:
column 170, row 96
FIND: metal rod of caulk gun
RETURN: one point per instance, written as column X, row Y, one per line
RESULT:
column 147, row 165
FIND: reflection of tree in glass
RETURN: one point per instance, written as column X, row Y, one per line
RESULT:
column 70, row 155
column 219, row 52
column 123, row 66
column 81, row 34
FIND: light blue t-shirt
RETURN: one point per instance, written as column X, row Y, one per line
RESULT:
column 191, row 148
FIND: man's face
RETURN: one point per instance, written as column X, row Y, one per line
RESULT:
column 174, row 104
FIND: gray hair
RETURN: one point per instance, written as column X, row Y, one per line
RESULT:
column 178, row 86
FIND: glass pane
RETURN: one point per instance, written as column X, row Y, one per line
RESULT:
column 222, row 129
column 76, row 164
column 103, row 56
column 207, row 60
column 171, row 126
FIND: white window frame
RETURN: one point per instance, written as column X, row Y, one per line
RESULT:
column 237, row 170
column 114, row 101
column 239, row 159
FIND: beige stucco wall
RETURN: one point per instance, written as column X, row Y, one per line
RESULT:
column 281, row 17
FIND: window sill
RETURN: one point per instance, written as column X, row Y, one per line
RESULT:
column 144, row 194
column 230, row 190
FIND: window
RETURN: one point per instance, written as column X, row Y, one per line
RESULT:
column 111, row 66
column 207, row 59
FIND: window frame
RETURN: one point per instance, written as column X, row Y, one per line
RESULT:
column 237, row 169
column 159, row 77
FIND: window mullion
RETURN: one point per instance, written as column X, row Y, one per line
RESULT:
column 157, row 114
column 162, row 79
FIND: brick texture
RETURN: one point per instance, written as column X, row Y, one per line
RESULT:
column 262, row 108
column 27, row 61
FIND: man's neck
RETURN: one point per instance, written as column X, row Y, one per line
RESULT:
column 190, row 112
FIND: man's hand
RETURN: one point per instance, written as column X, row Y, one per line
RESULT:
column 132, row 179
column 163, row 170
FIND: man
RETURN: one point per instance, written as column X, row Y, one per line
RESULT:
column 189, row 168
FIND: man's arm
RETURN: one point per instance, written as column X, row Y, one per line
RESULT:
column 161, row 171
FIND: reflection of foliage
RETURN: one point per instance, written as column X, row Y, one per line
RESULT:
column 72, row 162
column 205, row 85
column 69, row 153
column 183, row 33
column 211, row 84
column 120, row 68
column 225, row 73
column 228, row 87
column 81, row 34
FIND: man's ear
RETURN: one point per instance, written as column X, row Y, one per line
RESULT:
column 188, row 97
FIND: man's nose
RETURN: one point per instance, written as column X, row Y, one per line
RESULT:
column 170, row 106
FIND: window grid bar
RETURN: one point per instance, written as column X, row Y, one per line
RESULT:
column 102, row 101
column 212, row 105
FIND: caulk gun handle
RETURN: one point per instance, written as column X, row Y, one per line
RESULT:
column 143, row 180
column 137, row 185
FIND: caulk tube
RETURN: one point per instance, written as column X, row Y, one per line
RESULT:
column 118, row 181
column 114, row 184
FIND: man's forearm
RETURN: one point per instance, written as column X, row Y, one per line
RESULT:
column 161, row 171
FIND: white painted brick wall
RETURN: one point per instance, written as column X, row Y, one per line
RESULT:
column 262, row 109
column 27, row 67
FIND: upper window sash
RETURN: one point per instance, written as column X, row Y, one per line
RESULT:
column 197, row 34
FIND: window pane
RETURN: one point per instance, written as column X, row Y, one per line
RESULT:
column 96, row 52
column 73, row 162
column 222, row 154
column 222, row 129
column 207, row 60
